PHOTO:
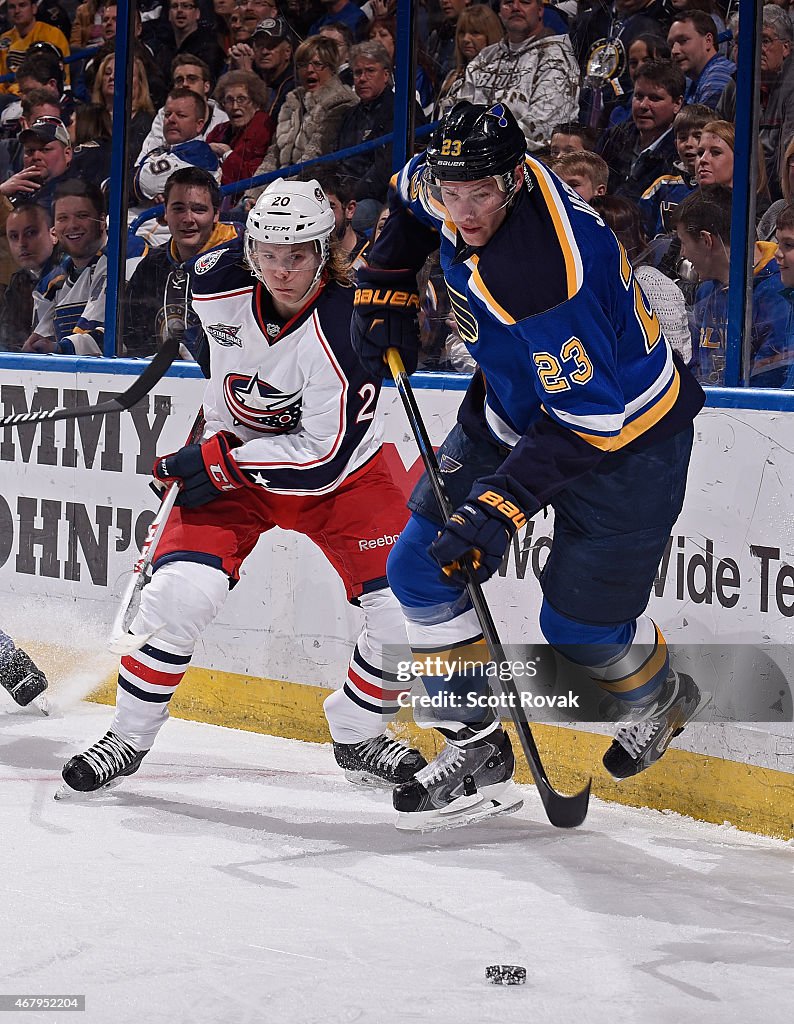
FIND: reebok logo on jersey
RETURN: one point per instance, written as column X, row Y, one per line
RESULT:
column 259, row 406
column 386, row 541
column 208, row 261
column 226, row 335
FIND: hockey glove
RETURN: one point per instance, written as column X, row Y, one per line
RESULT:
column 386, row 315
column 203, row 471
column 482, row 527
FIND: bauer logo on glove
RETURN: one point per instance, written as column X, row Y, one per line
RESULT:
column 508, row 508
column 480, row 529
column 386, row 297
column 385, row 316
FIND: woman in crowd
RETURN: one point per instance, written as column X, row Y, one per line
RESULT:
column 142, row 106
column 665, row 297
column 383, row 30
column 310, row 118
column 241, row 142
column 87, row 26
column 714, row 163
column 91, row 132
column 477, row 28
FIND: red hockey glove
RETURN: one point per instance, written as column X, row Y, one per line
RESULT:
column 203, row 471
column 481, row 527
column 386, row 315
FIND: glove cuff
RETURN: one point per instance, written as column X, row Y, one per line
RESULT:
column 374, row 277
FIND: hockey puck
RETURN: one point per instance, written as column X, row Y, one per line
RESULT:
column 506, row 974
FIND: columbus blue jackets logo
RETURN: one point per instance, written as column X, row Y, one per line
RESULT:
column 259, row 406
column 226, row 335
column 208, row 261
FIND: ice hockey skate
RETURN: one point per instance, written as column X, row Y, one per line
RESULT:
column 24, row 681
column 640, row 744
column 378, row 761
column 471, row 779
column 103, row 766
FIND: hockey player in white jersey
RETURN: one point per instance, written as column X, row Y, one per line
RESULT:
column 291, row 441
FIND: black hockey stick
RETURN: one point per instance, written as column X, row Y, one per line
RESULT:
column 121, row 641
column 562, row 811
column 141, row 386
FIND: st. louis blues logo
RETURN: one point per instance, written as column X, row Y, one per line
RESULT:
column 498, row 111
column 259, row 406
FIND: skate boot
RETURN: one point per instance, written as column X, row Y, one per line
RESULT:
column 102, row 766
column 472, row 778
column 640, row 744
column 23, row 680
column 379, row 761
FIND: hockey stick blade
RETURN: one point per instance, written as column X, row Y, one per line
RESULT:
column 561, row 810
column 128, row 643
column 140, row 387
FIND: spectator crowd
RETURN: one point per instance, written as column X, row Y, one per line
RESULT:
column 631, row 102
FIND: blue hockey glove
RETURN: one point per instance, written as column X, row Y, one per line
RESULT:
column 481, row 527
column 203, row 471
column 386, row 315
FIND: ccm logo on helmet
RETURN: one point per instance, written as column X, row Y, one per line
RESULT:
column 385, row 297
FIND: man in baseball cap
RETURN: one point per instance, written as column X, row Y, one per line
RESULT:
column 46, row 161
column 47, row 129
column 272, row 45
column 276, row 28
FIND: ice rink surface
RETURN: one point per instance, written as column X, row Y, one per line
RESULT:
column 239, row 878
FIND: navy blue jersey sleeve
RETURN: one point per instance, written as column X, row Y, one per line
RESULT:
column 410, row 233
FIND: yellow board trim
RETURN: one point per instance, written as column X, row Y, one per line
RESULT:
column 749, row 797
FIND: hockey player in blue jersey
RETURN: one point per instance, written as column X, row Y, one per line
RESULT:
column 578, row 403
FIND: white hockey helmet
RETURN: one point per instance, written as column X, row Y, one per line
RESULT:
column 291, row 211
